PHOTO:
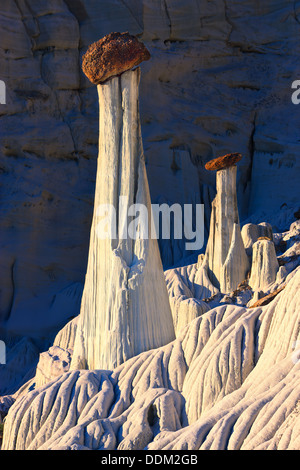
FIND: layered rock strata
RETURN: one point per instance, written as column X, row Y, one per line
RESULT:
column 49, row 131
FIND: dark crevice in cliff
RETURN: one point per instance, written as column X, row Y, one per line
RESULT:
column 251, row 146
column 251, row 149
column 168, row 17
column 12, row 274
column 28, row 18
column 295, row 12
column 227, row 18
column 134, row 16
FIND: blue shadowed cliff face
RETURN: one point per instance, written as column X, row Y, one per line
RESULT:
column 219, row 81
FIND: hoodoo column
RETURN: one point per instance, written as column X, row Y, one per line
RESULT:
column 125, row 306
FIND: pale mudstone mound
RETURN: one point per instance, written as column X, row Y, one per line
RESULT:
column 53, row 363
column 252, row 232
column 125, row 306
column 207, row 389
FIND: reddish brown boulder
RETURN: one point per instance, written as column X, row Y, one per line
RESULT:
column 226, row 161
column 112, row 55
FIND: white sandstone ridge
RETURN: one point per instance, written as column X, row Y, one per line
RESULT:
column 230, row 380
column 231, row 377
column 226, row 259
column 264, row 264
column 252, row 232
column 125, row 305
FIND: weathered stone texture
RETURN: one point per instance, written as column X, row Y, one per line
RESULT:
column 112, row 55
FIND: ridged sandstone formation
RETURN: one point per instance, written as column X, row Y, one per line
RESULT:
column 225, row 257
column 264, row 265
column 49, row 132
column 230, row 380
column 207, row 389
column 112, row 55
column 125, row 306
column 225, row 161
column 226, row 382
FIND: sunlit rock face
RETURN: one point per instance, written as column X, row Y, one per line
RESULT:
column 230, row 365
column 264, row 265
column 219, row 81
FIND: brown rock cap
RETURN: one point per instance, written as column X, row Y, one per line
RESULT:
column 112, row 55
column 264, row 238
column 226, row 161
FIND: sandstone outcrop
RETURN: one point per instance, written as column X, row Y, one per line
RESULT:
column 49, row 131
column 125, row 306
column 208, row 389
column 188, row 287
column 53, row 363
column 226, row 161
column 252, row 232
column 225, row 258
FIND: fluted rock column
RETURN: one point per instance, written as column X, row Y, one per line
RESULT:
column 264, row 264
column 226, row 260
column 125, row 306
